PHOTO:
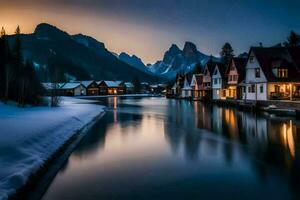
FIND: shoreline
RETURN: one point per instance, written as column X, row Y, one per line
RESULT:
column 280, row 108
column 39, row 180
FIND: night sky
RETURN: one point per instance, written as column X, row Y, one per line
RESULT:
column 148, row 28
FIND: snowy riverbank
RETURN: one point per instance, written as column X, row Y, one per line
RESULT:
column 29, row 136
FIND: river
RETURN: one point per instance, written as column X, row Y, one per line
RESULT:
column 154, row 148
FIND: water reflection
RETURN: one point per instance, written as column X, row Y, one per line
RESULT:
column 181, row 149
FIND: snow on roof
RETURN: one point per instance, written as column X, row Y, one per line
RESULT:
column 70, row 86
column 112, row 83
column 86, row 83
column 128, row 84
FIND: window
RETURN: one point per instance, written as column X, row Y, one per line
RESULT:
column 282, row 73
column 215, row 81
column 261, row 88
column 251, row 59
column 257, row 73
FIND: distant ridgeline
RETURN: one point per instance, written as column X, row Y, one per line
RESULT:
column 77, row 57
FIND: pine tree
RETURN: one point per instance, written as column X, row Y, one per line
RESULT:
column 18, row 66
column 293, row 40
column 2, row 62
column 227, row 53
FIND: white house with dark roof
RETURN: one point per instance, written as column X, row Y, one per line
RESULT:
column 273, row 74
column 186, row 91
column 219, row 82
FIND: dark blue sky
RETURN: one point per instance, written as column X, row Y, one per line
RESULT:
column 147, row 28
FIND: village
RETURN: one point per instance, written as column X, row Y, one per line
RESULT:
column 97, row 88
column 269, row 79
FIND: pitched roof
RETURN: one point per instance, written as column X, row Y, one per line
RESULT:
column 86, row 83
column 198, row 79
column 269, row 58
column 240, row 65
column 112, row 83
column 210, row 65
column 222, row 69
column 68, row 86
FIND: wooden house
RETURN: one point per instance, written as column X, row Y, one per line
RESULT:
column 186, row 91
column 273, row 74
column 92, row 88
column 236, row 78
column 197, row 86
column 73, row 89
column 207, row 79
column 111, row 87
column 219, row 81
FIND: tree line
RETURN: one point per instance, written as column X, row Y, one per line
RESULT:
column 18, row 79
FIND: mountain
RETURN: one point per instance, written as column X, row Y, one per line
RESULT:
column 77, row 56
column 134, row 61
column 176, row 61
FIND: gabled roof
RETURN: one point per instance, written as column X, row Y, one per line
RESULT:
column 210, row 66
column 187, row 81
column 87, row 83
column 222, row 69
column 240, row 65
column 68, row 86
column 111, row 83
column 198, row 79
column 269, row 57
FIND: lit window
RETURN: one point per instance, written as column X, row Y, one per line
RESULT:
column 282, row 73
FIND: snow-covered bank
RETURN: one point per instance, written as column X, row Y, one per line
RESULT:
column 28, row 137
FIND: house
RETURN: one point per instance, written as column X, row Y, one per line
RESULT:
column 207, row 79
column 111, row 87
column 92, row 88
column 129, row 87
column 219, row 81
column 73, row 89
column 178, row 85
column 121, row 87
column 236, row 78
column 273, row 74
column 197, row 86
column 186, row 91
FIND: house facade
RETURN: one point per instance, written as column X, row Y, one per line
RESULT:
column 197, row 86
column 73, row 89
column 92, row 88
column 235, row 78
column 273, row 74
column 219, row 80
column 207, row 79
column 186, row 91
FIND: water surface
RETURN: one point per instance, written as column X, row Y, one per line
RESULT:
column 153, row 148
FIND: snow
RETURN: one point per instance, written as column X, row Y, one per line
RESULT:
column 70, row 86
column 29, row 136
